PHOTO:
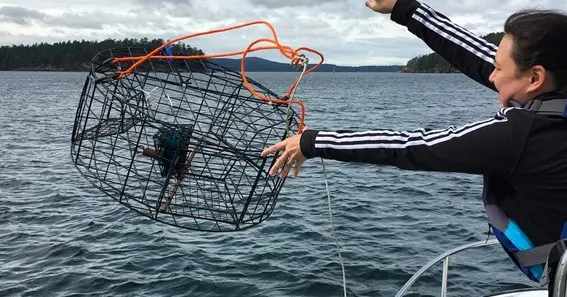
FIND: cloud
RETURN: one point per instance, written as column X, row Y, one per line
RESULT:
column 82, row 20
column 5, row 34
column 345, row 31
column 20, row 15
column 291, row 3
column 68, row 19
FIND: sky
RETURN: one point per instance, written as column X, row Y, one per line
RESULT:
column 346, row 32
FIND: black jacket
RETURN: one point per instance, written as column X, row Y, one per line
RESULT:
column 522, row 155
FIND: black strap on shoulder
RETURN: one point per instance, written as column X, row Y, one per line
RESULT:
column 551, row 107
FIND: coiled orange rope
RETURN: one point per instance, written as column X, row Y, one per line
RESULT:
column 288, row 52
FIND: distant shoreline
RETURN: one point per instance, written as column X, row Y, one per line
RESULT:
column 326, row 68
column 261, row 65
column 344, row 72
column 76, row 56
column 248, row 71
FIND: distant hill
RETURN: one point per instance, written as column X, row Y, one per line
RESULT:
column 434, row 63
column 77, row 55
column 256, row 64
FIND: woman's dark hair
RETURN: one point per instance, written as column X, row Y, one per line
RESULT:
column 540, row 38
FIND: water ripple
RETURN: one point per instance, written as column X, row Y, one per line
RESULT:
column 61, row 237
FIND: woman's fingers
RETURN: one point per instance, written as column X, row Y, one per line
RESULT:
column 290, row 156
column 286, row 169
column 279, row 162
column 294, row 160
column 274, row 148
column 298, row 165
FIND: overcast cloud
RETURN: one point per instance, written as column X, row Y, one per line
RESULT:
column 345, row 31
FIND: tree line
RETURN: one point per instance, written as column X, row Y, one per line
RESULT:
column 73, row 55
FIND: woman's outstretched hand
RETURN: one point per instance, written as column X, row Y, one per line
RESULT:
column 381, row 6
column 291, row 156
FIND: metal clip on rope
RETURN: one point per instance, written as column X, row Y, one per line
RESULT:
column 300, row 63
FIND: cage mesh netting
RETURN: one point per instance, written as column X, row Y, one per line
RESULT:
column 179, row 141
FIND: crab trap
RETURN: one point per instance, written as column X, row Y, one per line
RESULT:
column 179, row 141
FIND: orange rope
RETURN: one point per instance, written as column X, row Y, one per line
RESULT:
column 288, row 52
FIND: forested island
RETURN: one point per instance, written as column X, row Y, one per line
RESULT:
column 76, row 56
column 71, row 55
column 434, row 63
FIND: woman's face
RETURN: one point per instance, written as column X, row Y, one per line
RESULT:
column 510, row 83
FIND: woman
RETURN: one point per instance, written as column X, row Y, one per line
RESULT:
column 521, row 152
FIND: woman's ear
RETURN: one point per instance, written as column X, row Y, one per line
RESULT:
column 537, row 75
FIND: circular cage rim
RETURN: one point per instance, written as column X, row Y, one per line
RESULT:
column 110, row 191
column 106, row 192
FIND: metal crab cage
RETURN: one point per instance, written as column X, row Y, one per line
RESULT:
column 179, row 140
